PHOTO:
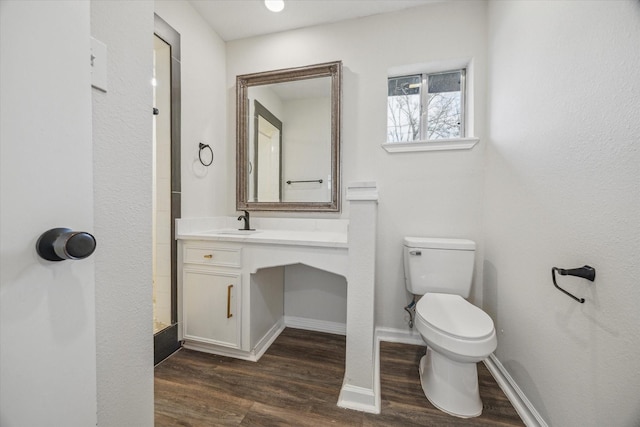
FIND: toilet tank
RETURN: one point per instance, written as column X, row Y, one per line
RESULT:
column 438, row 265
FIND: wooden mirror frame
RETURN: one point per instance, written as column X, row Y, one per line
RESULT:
column 243, row 83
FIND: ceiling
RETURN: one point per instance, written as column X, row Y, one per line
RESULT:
column 237, row 19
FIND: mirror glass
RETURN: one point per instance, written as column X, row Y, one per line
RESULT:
column 288, row 130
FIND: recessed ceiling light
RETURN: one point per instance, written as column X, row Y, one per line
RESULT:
column 274, row 5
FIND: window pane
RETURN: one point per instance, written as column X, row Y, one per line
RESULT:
column 406, row 85
column 445, row 82
column 403, row 108
column 444, row 110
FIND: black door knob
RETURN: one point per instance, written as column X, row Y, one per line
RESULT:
column 59, row 244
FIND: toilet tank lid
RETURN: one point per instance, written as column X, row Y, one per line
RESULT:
column 438, row 243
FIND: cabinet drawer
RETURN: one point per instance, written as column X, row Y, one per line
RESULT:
column 226, row 257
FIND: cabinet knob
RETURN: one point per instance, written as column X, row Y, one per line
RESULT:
column 208, row 256
column 59, row 244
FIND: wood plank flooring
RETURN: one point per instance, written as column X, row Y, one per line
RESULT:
column 297, row 383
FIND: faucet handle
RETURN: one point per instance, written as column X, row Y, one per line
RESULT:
column 246, row 218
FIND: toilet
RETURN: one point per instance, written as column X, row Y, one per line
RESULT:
column 457, row 333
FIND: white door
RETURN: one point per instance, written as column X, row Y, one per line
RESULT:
column 47, row 309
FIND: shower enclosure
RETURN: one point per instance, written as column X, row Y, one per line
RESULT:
column 166, row 186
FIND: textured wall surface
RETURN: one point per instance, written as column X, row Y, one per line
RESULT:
column 562, row 189
column 122, row 136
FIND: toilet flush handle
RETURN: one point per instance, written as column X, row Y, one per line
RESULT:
column 416, row 253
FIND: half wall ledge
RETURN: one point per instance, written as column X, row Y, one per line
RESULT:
column 361, row 385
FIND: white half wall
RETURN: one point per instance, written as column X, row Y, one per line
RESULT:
column 562, row 189
column 122, row 141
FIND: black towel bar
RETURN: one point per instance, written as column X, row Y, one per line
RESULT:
column 319, row 181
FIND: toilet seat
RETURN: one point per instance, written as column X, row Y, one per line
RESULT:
column 455, row 316
column 450, row 324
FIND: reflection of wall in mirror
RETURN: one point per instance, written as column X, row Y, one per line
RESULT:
column 306, row 135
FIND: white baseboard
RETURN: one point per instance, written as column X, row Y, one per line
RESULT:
column 522, row 405
column 221, row 351
column 377, row 390
column 252, row 356
column 359, row 398
column 265, row 342
column 399, row 336
column 315, row 325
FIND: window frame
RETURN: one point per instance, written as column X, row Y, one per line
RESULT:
column 424, row 111
column 463, row 142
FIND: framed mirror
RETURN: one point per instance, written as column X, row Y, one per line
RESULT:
column 288, row 139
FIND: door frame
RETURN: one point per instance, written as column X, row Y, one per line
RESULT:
column 166, row 342
column 260, row 110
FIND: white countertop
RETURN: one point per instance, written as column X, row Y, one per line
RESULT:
column 331, row 237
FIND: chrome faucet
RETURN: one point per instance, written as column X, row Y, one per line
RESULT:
column 246, row 219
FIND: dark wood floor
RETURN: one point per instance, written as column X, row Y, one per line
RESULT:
column 297, row 382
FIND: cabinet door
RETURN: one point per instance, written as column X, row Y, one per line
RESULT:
column 211, row 312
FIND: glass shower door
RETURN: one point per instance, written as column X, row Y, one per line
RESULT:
column 166, row 187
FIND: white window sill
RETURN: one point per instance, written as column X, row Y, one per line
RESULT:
column 433, row 145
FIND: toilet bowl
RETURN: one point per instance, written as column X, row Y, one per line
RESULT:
column 455, row 327
column 457, row 333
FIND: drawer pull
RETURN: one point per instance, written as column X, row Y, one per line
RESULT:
column 229, row 315
column 208, row 256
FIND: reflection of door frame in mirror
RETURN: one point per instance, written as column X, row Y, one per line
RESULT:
column 243, row 83
column 165, row 342
column 261, row 111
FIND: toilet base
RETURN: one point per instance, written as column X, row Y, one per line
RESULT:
column 450, row 386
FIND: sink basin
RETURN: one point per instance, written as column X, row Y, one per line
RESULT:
column 235, row 232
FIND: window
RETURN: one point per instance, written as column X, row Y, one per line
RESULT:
column 424, row 107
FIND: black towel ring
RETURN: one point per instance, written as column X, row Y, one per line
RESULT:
column 202, row 147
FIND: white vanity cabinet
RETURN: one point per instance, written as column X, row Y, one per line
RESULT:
column 213, row 248
column 231, row 284
column 211, row 294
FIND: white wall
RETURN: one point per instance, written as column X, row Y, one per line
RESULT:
column 204, row 98
column 562, row 189
column 426, row 194
column 327, row 301
column 122, row 140
column 306, row 136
